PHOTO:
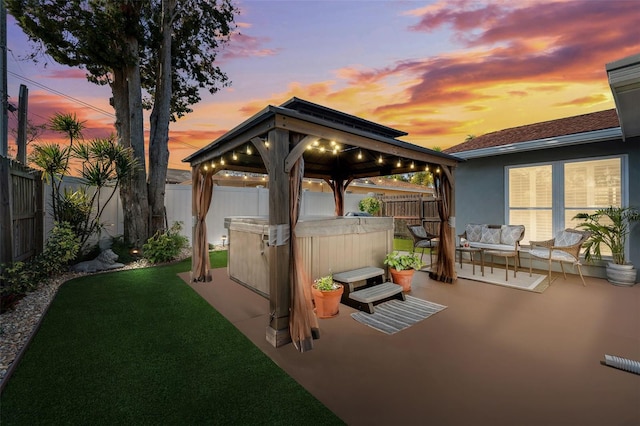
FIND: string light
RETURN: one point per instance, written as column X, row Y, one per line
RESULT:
column 235, row 157
column 399, row 163
column 412, row 165
column 380, row 160
column 266, row 144
column 249, row 152
column 360, row 155
column 426, row 168
column 222, row 161
column 438, row 170
column 206, row 168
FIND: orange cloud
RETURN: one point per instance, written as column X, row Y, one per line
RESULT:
column 586, row 100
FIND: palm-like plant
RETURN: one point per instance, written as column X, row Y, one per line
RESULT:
column 608, row 227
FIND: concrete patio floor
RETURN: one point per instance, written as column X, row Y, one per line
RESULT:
column 495, row 356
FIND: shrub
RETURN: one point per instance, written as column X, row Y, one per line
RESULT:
column 19, row 278
column 165, row 246
column 62, row 247
column 370, row 205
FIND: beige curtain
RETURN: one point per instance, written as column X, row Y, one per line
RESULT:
column 303, row 324
column 445, row 265
column 202, row 192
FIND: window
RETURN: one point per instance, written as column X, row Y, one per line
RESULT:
column 545, row 197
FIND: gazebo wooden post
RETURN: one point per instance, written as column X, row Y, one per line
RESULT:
column 279, row 249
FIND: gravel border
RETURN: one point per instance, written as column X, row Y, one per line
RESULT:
column 17, row 327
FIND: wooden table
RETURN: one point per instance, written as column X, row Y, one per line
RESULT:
column 471, row 251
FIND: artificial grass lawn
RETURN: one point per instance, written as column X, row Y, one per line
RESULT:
column 141, row 347
column 402, row 244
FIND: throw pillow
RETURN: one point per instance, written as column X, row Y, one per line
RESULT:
column 474, row 233
column 565, row 239
column 490, row 235
column 509, row 234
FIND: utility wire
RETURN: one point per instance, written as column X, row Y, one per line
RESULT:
column 64, row 95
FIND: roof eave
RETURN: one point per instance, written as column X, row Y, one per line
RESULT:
column 555, row 142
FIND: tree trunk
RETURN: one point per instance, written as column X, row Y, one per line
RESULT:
column 127, row 101
column 159, row 121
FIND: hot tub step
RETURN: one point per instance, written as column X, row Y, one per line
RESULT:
column 369, row 296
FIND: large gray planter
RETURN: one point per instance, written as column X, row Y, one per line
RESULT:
column 623, row 275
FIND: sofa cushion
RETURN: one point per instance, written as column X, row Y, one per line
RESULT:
column 490, row 235
column 566, row 239
column 510, row 234
column 474, row 232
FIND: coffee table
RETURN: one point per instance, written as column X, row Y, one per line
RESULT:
column 471, row 251
column 506, row 254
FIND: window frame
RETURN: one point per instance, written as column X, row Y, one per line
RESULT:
column 557, row 186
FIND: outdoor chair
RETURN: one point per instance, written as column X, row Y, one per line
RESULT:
column 564, row 248
column 423, row 240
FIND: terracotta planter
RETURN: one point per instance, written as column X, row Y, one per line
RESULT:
column 327, row 302
column 623, row 275
column 402, row 278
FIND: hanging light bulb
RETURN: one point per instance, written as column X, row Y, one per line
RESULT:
column 249, row 152
column 206, row 167
column 222, row 161
column 399, row 163
column 322, row 149
column 360, row 155
column 266, row 143
column 438, row 170
column 316, row 142
column 335, row 151
column 412, row 165
column 380, row 160
column 235, row 157
column 213, row 164
column 333, row 143
column 426, row 168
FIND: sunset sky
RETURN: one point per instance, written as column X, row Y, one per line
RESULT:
column 438, row 70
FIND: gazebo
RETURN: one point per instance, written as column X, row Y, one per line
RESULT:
column 301, row 139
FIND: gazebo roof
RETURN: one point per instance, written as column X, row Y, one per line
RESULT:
column 336, row 145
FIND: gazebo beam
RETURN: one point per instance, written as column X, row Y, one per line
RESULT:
column 343, row 136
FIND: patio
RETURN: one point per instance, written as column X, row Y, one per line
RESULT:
column 494, row 356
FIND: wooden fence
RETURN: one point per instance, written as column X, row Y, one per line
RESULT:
column 21, row 211
column 411, row 210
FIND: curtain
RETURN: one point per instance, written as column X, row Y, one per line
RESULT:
column 201, row 195
column 303, row 324
column 445, row 265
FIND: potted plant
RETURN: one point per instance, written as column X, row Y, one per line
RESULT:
column 402, row 267
column 610, row 227
column 327, row 294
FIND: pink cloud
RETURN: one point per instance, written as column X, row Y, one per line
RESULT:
column 244, row 46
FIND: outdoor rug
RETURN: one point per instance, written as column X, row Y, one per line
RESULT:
column 536, row 283
column 396, row 315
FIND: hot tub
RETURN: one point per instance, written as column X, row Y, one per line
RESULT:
column 328, row 244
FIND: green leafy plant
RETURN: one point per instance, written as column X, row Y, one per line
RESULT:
column 370, row 205
column 400, row 262
column 326, row 283
column 608, row 227
column 165, row 246
column 19, row 278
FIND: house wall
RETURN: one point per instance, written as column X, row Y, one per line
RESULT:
column 480, row 185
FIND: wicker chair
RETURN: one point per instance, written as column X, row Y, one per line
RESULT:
column 422, row 240
column 564, row 248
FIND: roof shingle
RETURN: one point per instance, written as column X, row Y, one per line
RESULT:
column 548, row 129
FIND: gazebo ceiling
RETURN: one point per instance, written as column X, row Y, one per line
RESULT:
column 335, row 144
